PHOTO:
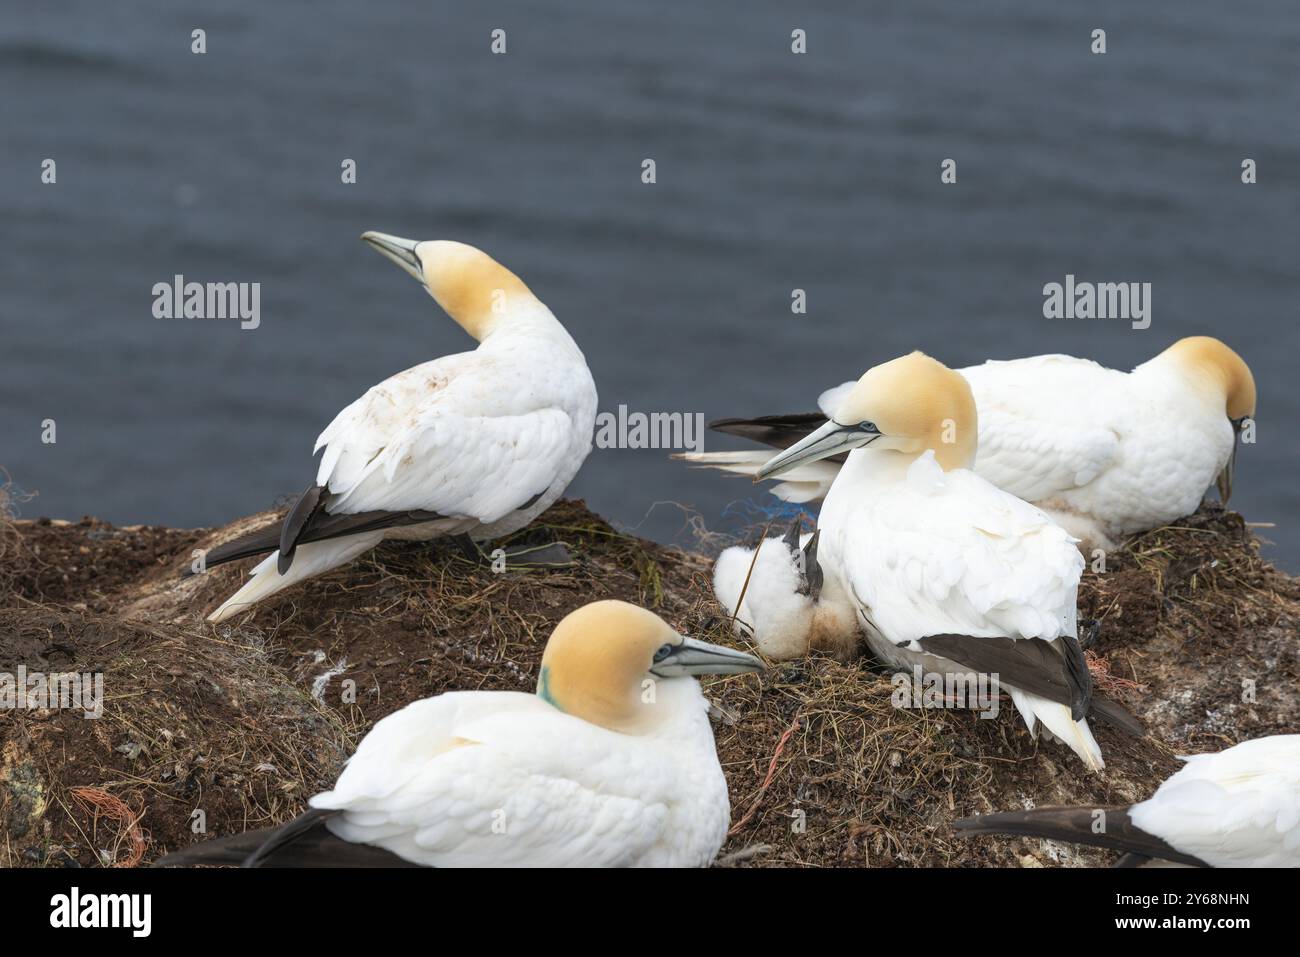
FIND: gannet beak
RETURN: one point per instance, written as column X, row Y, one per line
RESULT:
column 399, row 250
column 830, row 439
column 694, row 657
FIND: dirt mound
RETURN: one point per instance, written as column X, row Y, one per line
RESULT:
column 242, row 722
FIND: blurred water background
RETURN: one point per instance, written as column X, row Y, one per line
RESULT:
column 775, row 171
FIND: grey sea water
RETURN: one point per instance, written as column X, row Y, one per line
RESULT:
column 775, row 171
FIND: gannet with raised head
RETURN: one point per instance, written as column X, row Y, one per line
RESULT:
column 945, row 570
column 611, row 763
column 1236, row 808
column 1105, row 453
column 777, row 594
column 477, row 443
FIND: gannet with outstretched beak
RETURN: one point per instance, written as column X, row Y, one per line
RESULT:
column 777, row 594
column 946, row 570
column 477, row 443
column 1236, row 808
column 1105, row 453
column 611, row 763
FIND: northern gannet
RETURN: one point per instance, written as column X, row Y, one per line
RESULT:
column 945, row 570
column 477, row 443
column 781, row 599
column 1105, row 453
column 1235, row 808
column 611, row 763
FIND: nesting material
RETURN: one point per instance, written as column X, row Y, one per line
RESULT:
column 823, row 769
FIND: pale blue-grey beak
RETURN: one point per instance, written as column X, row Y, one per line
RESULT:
column 831, row 439
column 399, row 250
column 694, row 657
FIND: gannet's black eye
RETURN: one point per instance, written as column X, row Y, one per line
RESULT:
column 868, row 427
column 663, row 652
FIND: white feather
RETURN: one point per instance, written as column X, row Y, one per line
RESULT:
column 783, row 623
column 1237, row 808
column 1104, row 453
column 491, row 778
column 924, row 552
column 805, row 483
column 489, row 439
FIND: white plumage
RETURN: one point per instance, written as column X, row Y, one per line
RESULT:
column 487, row 439
column 769, row 600
column 1237, row 808
column 612, row 763
column 934, row 552
column 478, row 778
column 924, row 547
column 1105, row 453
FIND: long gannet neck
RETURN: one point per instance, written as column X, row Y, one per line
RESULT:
column 1214, row 370
column 479, row 293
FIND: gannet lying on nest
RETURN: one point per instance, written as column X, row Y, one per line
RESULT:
column 474, row 444
column 1105, row 453
column 945, row 570
column 1236, row 808
column 611, row 763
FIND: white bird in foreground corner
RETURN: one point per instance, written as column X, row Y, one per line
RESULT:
column 1236, row 808
column 1105, row 453
column 477, row 443
column 781, row 599
column 611, row 763
column 945, row 570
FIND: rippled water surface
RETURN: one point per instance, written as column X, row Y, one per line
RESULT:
column 775, row 171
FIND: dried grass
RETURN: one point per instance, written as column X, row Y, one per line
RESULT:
column 823, row 769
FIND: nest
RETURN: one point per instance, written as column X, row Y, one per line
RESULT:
column 235, row 726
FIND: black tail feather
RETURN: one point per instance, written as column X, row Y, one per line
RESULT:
column 1111, row 712
column 310, row 523
column 299, row 517
column 303, row 842
column 246, row 546
column 1108, row 827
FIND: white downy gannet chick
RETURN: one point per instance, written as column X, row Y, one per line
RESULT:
column 1236, row 808
column 1105, row 453
column 945, row 570
column 782, row 599
column 611, row 763
column 476, row 443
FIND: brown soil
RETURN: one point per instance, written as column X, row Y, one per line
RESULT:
column 243, row 722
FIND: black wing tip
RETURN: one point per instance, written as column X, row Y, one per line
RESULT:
column 218, row 852
column 719, row 425
column 1110, row 712
column 982, row 823
column 1076, row 826
column 296, row 522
